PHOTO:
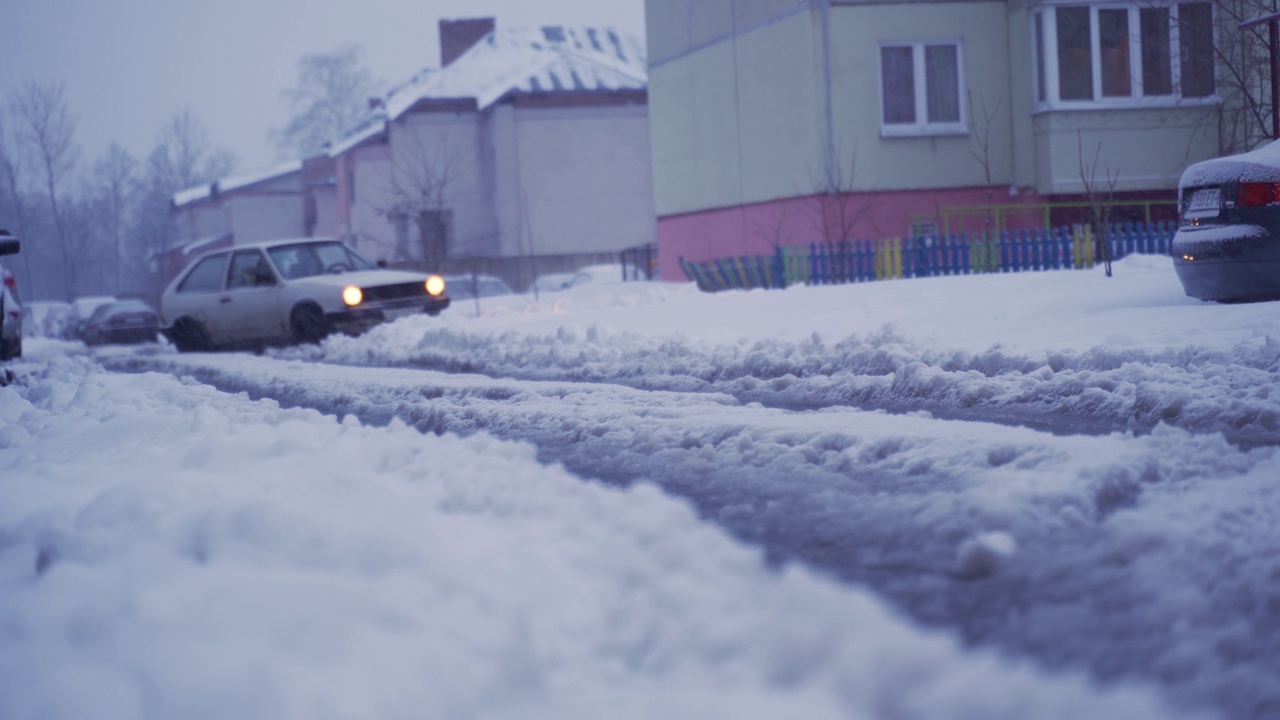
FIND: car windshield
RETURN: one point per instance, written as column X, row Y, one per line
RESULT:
column 315, row 258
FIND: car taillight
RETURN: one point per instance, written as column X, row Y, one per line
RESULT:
column 1256, row 194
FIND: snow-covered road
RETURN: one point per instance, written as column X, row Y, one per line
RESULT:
column 1119, row 518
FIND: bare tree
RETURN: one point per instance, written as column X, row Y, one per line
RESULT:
column 183, row 157
column 425, row 169
column 1243, row 71
column 331, row 98
column 837, row 209
column 45, row 130
column 987, row 259
column 114, row 190
column 10, row 173
column 1098, row 194
column 774, row 230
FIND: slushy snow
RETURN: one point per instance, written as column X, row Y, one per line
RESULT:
column 662, row 503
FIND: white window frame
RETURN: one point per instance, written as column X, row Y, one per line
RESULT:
column 922, row 127
column 1048, row 57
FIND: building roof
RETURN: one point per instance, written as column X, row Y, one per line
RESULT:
column 549, row 59
column 372, row 126
column 201, row 192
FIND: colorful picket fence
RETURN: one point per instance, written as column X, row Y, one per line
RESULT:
column 847, row 261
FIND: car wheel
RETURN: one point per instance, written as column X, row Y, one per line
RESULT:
column 189, row 336
column 10, row 349
column 309, row 324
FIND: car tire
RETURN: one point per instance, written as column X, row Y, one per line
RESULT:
column 189, row 336
column 10, row 349
column 308, row 324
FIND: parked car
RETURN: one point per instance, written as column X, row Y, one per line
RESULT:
column 297, row 290
column 82, row 308
column 1227, row 247
column 45, row 318
column 123, row 321
column 586, row 276
column 473, row 286
column 554, row 282
column 10, row 308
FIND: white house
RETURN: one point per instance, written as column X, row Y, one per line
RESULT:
column 527, row 151
column 275, row 203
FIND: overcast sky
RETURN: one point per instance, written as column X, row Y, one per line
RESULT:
column 129, row 65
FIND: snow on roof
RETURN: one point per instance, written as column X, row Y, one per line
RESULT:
column 244, row 181
column 547, row 59
column 190, row 195
column 553, row 58
column 200, row 192
column 371, row 126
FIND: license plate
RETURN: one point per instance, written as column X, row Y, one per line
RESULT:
column 1204, row 203
column 397, row 313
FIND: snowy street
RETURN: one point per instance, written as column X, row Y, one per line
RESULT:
column 1043, row 495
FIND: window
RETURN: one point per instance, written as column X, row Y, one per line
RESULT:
column 1195, row 38
column 1157, row 69
column 206, row 276
column 920, row 89
column 249, row 269
column 1123, row 55
column 1075, row 57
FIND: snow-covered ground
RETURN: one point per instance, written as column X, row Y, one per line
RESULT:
column 660, row 503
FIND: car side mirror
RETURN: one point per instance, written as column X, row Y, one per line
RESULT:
column 9, row 245
column 382, row 263
column 263, row 277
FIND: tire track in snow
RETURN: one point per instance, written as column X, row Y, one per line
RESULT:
column 1100, row 391
column 1059, row 549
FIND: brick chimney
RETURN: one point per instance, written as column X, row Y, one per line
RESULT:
column 458, row 36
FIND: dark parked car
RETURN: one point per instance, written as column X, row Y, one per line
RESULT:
column 82, row 308
column 122, row 321
column 1228, row 243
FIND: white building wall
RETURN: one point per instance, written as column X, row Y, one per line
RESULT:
column 443, row 153
column 1136, row 149
column 917, row 163
column 585, row 178
column 265, row 217
column 507, row 189
column 740, row 119
column 1021, row 96
column 199, row 221
column 366, row 183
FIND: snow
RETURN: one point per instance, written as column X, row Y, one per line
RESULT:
column 242, row 181
column 192, row 194
column 202, row 192
column 1261, row 164
column 1067, row 511
column 510, row 59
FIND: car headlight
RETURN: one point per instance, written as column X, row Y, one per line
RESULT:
column 435, row 285
column 352, row 296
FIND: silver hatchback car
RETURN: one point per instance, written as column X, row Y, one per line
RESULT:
column 283, row 291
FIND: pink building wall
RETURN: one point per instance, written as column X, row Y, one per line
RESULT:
column 762, row 227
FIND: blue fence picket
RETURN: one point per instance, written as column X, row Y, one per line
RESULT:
column 849, row 261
